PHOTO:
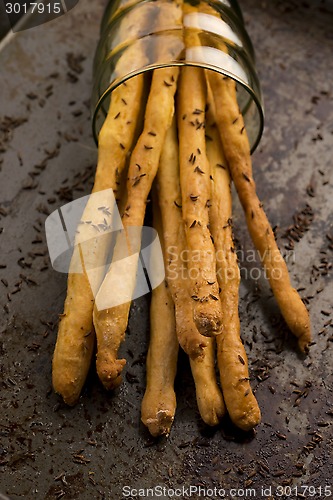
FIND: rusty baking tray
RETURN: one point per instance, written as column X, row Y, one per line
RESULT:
column 47, row 158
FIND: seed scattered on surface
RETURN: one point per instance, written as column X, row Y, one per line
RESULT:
column 281, row 436
column 310, row 191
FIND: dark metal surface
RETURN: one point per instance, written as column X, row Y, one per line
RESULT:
column 47, row 157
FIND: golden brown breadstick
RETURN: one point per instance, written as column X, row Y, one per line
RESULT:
column 169, row 196
column 195, row 186
column 76, row 336
column 237, row 151
column 110, row 323
column 240, row 401
column 159, row 402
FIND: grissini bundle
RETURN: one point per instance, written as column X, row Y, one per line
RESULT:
column 197, row 305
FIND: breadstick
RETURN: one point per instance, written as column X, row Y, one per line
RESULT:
column 169, row 196
column 240, row 401
column 195, row 186
column 237, row 151
column 159, row 402
column 76, row 336
column 110, row 323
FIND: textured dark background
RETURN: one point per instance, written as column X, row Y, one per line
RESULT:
column 47, row 157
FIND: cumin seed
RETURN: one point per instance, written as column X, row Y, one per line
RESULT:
column 241, row 359
column 198, row 170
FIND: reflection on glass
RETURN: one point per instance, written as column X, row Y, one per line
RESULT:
column 220, row 43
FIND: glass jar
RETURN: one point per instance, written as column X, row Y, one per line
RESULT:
column 216, row 40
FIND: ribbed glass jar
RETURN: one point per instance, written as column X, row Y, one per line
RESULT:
column 211, row 35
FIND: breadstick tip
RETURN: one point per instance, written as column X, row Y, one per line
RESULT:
column 249, row 419
column 161, row 424
column 109, row 371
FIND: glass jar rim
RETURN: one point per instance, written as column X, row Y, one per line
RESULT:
column 155, row 66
